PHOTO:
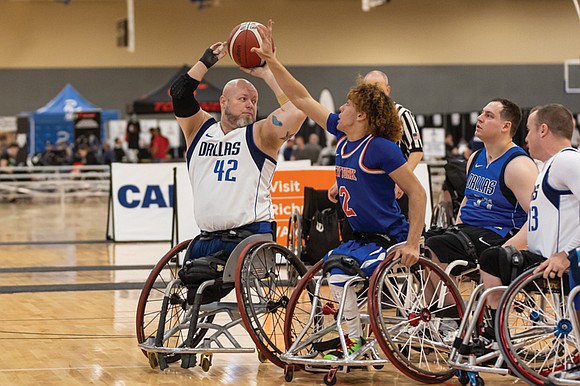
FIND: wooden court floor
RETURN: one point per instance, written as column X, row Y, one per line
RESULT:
column 68, row 309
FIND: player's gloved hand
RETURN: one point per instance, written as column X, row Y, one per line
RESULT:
column 214, row 53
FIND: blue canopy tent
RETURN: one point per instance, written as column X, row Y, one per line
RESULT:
column 55, row 121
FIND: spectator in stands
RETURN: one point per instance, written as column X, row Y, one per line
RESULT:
column 298, row 149
column 311, row 150
column 159, row 145
column 473, row 145
column 451, row 150
column 132, row 136
column 108, row 153
column 288, row 149
column 327, row 155
column 84, row 157
column 120, row 155
column 8, row 158
column 47, row 157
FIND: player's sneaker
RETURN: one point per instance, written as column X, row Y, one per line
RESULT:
column 352, row 345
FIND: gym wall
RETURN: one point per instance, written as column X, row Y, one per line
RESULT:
column 441, row 55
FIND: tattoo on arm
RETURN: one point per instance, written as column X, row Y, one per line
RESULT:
column 275, row 121
column 286, row 137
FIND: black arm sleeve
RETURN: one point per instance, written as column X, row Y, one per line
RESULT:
column 184, row 103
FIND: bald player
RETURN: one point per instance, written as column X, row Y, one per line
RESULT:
column 231, row 163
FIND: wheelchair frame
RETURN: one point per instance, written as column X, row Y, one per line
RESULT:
column 525, row 320
column 570, row 377
column 390, row 274
column 169, row 329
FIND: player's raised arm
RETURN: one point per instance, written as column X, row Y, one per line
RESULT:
column 282, row 123
column 187, row 111
column 291, row 87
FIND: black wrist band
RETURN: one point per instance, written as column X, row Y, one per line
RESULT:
column 208, row 58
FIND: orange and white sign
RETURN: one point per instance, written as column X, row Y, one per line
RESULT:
column 288, row 193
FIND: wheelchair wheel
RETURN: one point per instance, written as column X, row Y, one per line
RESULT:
column 263, row 291
column 300, row 307
column 412, row 325
column 322, row 329
column 533, row 328
column 295, row 233
column 294, row 244
column 149, row 307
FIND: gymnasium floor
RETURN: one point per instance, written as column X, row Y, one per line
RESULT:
column 68, row 301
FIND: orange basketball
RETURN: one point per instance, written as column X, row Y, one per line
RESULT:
column 243, row 37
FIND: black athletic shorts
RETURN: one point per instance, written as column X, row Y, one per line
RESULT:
column 449, row 248
column 492, row 263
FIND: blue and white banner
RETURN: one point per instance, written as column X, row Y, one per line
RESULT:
column 143, row 202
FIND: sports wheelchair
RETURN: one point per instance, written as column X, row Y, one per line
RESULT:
column 533, row 332
column 569, row 376
column 171, row 328
column 403, row 316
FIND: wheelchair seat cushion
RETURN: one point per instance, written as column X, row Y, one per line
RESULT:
column 196, row 271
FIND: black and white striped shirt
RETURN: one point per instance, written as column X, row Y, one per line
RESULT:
column 411, row 140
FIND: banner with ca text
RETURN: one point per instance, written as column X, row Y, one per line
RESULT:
column 143, row 202
column 143, row 198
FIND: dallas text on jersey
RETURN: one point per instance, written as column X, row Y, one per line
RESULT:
column 219, row 149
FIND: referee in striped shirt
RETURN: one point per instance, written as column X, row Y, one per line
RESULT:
column 410, row 143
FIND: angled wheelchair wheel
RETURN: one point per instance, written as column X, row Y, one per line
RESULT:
column 295, row 233
column 311, row 315
column 153, row 307
column 533, row 328
column 263, row 291
column 414, row 314
column 294, row 244
column 300, row 307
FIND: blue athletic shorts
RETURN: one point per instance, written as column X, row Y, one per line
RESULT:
column 368, row 255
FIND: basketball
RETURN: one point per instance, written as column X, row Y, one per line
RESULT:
column 244, row 36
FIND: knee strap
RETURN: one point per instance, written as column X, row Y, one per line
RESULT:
column 465, row 241
column 516, row 258
column 503, row 262
column 343, row 262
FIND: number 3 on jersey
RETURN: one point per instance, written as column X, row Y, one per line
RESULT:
column 533, row 219
column 225, row 170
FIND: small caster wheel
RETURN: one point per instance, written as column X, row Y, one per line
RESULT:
column 205, row 363
column 288, row 373
column 261, row 357
column 479, row 381
column 330, row 378
column 462, row 377
column 378, row 367
column 153, row 361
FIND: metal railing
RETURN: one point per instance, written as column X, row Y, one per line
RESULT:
column 94, row 181
column 55, row 181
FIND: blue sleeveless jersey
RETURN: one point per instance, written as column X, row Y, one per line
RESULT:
column 365, row 189
column 490, row 203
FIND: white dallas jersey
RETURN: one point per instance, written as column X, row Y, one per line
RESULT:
column 230, row 178
column 554, row 215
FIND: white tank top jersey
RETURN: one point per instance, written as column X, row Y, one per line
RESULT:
column 230, row 178
column 554, row 215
